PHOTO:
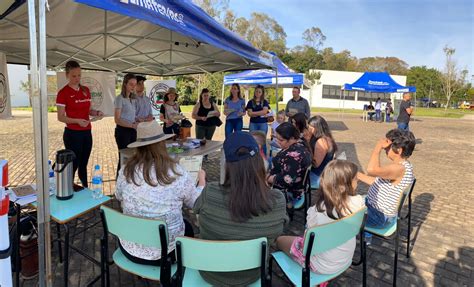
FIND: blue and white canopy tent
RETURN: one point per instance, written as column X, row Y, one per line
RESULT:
column 378, row 82
column 159, row 37
column 281, row 77
column 151, row 37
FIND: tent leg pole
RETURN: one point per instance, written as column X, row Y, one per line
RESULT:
column 222, row 99
column 276, row 88
column 40, row 126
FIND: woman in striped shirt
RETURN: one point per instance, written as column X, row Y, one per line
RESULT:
column 388, row 182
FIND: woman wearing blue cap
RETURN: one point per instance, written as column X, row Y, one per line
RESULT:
column 243, row 208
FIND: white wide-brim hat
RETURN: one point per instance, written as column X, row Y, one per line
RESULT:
column 149, row 133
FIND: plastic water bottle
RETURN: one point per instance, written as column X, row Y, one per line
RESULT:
column 97, row 182
column 368, row 238
column 52, row 179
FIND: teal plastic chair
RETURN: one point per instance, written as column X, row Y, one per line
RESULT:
column 320, row 239
column 306, row 202
column 392, row 231
column 193, row 255
column 148, row 232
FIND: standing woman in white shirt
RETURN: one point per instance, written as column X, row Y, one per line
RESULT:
column 124, row 116
column 152, row 185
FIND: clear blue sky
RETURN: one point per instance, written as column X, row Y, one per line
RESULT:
column 413, row 30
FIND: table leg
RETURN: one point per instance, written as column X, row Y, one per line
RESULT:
column 66, row 255
column 17, row 253
column 58, row 231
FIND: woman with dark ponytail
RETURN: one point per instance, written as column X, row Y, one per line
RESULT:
column 290, row 164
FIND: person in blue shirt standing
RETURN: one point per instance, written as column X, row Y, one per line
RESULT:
column 234, row 109
column 257, row 110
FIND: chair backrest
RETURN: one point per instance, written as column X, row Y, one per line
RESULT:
column 406, row 194
column 331, row 235
column 139, row 230
column 220, row 256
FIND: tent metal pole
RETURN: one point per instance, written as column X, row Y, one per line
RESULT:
column 276, row 88
column 40, row 126
column 222, row 99
column 340, row 99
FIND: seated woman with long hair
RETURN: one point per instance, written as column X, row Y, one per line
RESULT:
column 290, row 164
column 337, row 199
column 300, row 121
column 243, row 208
column 153, row 185
column 323, row 147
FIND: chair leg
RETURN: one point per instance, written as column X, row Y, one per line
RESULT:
column 409, row 226
column 103, row 261
column 270, row 270
column 395, row 263
column 363, row 253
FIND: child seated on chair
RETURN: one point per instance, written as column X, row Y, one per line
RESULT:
column 336, row 200
column 281, row 118
column 388, row 182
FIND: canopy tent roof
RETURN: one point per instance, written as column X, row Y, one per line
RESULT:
column 266, row 77
column 159, row 37
column 380, row 82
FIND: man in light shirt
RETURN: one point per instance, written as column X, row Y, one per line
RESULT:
column 297, row 104
column 142, row 103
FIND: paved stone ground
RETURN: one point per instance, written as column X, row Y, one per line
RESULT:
column 443, row 224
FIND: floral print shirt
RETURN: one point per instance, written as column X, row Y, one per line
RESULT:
column 289, row 167
column 163, row 202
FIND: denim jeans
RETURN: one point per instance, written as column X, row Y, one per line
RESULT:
column 377, row 115
column 377, row 219
column 387, row 117
column 403, row 126
column 233, row 125
column 260, row 127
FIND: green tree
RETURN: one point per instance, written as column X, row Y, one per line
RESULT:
column 342, row 61
column 453, row 79
column 392, row 65
column 215, row 8
column 314, row 37
column 302, row 59
column 427, row 82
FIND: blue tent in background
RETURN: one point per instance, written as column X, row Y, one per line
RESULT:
column 379, row 82
column 266, row 77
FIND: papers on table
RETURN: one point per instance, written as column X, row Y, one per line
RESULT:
column 192, row 164
column 24, row 196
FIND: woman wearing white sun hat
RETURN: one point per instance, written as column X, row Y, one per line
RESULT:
column 153, row 185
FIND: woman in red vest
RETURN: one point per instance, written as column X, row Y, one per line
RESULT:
column 74, row 109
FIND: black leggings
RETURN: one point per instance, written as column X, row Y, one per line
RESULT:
column 124, row 137
column 188, row 231
column 80, row 142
